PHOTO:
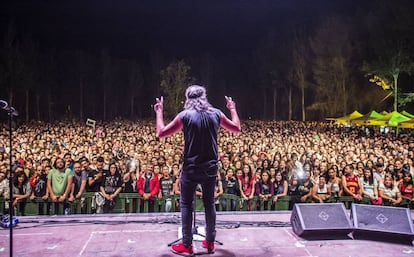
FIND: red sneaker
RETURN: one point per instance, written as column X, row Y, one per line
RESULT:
column 182, row 250
column 209, row 246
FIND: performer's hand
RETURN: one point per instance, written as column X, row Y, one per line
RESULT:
column 230, row 104
column 159, row 104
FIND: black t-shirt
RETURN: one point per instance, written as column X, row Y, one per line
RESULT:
column 130, row 186
column 95, row 186
column 111, row 182
column 304, row 189
column 264, row 188
column 166, row 186
column 40, row 185
column 231, row 186
column 200, row 133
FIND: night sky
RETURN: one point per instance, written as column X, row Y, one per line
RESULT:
column 178, row 28
column 228, row 31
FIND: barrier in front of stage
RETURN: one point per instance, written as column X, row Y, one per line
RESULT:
column 134, row 203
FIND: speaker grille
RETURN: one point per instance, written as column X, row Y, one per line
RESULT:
column 382, row 218
column 320, row 221
column 317, row 216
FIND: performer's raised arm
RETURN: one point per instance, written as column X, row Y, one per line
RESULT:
column 172, row 127
column 232, row 125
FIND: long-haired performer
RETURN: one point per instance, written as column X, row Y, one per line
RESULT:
column 200, row 123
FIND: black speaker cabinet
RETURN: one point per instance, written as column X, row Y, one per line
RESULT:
column 382, row 223
column 320, row 221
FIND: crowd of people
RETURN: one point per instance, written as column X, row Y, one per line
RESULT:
column 269, row 160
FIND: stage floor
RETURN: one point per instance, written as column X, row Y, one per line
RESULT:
column 242, row 234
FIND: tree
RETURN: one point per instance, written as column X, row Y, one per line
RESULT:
column 386, row 70
column 135, row 84
column 298, row 71
column 206, row 68
column 106, row 78
column 48, row 82
column 264, row 59
column 84, row 61
column 174, row 80
column 331, row 67
column 394, row 24
column 11, row 67
column 30, row 64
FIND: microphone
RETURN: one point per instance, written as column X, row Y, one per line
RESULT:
column 9, row 109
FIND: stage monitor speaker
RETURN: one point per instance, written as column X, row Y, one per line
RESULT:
column 386, row 223
column 320, row 221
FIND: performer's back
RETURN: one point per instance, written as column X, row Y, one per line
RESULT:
column 200, row 133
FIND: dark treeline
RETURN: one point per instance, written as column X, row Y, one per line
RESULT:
column 287, row 60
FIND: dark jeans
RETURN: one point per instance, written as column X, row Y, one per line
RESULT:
column 224, row 204
column 188, row 183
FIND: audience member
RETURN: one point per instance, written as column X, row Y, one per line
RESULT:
column 287, row 146
column 59, row 184
column 110, row 187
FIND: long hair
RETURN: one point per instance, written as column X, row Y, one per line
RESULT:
column 16, row 178
column 196, row 98
column 369, row 180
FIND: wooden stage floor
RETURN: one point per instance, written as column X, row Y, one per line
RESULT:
column 242, row 234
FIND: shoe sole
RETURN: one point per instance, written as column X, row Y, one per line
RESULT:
column 182, row 254
column 203, row 253
column 208, row 252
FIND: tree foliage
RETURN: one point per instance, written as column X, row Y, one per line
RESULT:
column 135, row 84
column 300, row 55
column 174, row 80
column 386, row 70
column 392, row 50
column 331, row 68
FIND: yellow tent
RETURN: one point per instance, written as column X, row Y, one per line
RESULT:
column 384, row 113
column 364, row 119
column 391, row 119
column 347, row 118
column 406, row 124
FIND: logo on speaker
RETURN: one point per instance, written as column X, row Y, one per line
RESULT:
column 323, row 215
column 381, row 218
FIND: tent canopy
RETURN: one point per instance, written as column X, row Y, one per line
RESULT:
column 406, row 124
column 391, row 119
column 347, row 118
column 364, row 119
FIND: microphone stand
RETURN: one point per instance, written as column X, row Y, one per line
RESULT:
column 11, row 112
column 195, row 227
column 11, row 208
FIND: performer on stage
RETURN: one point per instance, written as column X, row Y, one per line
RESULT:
column 200, row 123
